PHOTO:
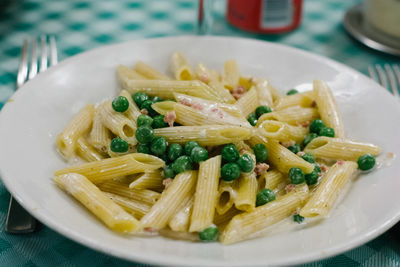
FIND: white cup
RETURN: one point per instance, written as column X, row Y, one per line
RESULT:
column 384, row 15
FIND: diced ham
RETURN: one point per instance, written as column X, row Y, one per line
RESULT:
column 197, row 106
column 390, row 155
column 238, row 92
column 323, row 167
column 185, row 101
column 289, row 188
column 150, row 230
column 167, row 182
column 169, row 118
column 304, row 124
column 144, row 111
column 300, row 153
column 288, row 143
column 204, row 78
column 313, row 104
column 339, row 162
column 261, row 168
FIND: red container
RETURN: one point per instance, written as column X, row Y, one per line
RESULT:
column 265, row 16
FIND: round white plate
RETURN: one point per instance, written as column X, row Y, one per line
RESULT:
column 30, row 122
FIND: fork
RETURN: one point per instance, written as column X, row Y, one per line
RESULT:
column 388, row 76
column 19, row 221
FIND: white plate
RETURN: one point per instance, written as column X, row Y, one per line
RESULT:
column 39, row 111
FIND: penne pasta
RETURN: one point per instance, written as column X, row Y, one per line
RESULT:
column 125, row 74
column 208, row 135
column 305, row 100
column 106, row 169
column 292, row 115
column 248, row 103
column 148, row 180
column 262, row 87
column 97, row 202
column 133, row 111
column 100, row 136
column 230, row 75
column 86, row 151
column 327, row 108
column 67, row 140
column 168, row 204
column 180, row 221
column 183, row 71
column 282, row 131
column 137, row 208
column 246, row 192
column 251, row 224
column 149, row 72
column 337, row 148
column 271, row 180
column 205, row 197
column 328, row 190
column 226, row 196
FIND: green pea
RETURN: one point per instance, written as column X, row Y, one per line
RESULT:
column 312, row 177
column 366, row 162
column 139, row 98
column 174, row 152
column 317, row 168
column 199, row 154
column 296, row 175
column 298, row 218
column 168, row 172
column 189, row 146
column 308, row 157
column 264, row 196
column 230, row 153
column 182, row 164
column 143, row 148
column 252, row 119
column 147, row 106
column 295, row 148
column 158, row 122
column 119, row 145
column 246, row 163
column 230, row 171
column 209, row 234
column 158, row 146
column 329, row 132
column 120, row 104
column 316, row 126
column 156, row 99
column 144, row 134
column 292, row 92
column 309, row 137
column 261, row 152
column 260, row 110
column 144, row 120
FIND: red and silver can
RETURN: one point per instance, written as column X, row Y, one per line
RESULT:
column 265, row 16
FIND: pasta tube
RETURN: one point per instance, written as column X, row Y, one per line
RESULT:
column 226, row 196
column 248, row 103
column 246, row 192
column 337, row 148
column 328, row 190
column 183, row 71
column 106, row 169
column 292, row 115
column 80, row 124
column 133, row 111
column 205, row 196
column 180, row 221
column 282, row 131
column 99, row 204
column 262, row 87
column 230, row 74
column 148, row 180
column 132, row 206
column 327, row 108
column 100, row 136
column 250, row 224
column 305, row 100
column 86, row 151
column 149, row 72
column 168, row 204
column 207, row 135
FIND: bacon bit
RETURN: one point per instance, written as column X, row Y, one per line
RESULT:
column 169, row 118
column 215, row 110
column 204, row 78
column 185, row 101
column 323, row 167
column 390, row 155
column 300, row 153
column 238, row 92
column 150, row 230
column 220, row 115
column 261, row 168
column 144, row 111
column 167, row 182
column 288, row 143
column 339, row 162
column 197, row 106
column 313, row 104
column 304, row 124
column 289, row 188
column 242, row 151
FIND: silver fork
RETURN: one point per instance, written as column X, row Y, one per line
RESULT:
column 388, row 76
column 19, row 221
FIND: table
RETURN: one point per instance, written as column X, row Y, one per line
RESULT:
column 83, row 25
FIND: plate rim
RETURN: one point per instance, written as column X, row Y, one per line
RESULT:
column 174, row 260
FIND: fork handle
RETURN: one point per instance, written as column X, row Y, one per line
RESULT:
column 19, row 221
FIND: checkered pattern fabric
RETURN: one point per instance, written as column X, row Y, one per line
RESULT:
column 83, row 25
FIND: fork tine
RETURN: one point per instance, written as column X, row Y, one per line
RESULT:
column 23, row 66
column 396, row 70
column 392, row 79
column 53, row 51
column 43, row 54
column 372, row 74
column 382, row 76
column 33, row 65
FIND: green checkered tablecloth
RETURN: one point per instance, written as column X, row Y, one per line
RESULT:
column 83, row 25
